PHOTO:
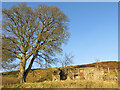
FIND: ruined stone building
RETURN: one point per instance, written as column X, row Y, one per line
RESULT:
column 81, row 73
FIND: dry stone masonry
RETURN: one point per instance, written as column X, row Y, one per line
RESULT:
column 83, row 73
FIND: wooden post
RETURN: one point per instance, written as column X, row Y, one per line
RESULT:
column 116, row 73
column 78, row 73
column 73, row 74
column 108, row 73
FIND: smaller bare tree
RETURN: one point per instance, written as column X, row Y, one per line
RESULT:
column 97, row 62
column 68, row 59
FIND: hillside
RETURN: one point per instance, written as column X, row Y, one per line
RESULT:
column 40, row 75
column 105, row 65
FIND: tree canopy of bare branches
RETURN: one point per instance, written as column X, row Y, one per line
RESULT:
column 32, row 34
column 67, row 60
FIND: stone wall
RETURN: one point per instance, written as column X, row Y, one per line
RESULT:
column 56, row 75
column 87, row 73
column 93, row 73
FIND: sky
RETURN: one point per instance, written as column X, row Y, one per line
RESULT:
column 93, row 27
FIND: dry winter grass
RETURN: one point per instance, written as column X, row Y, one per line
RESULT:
column 9, row 80
column 66, row 84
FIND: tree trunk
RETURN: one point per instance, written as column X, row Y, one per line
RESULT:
column 29, row 67
column 22, row 75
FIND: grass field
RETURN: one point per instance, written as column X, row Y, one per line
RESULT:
column 65, row 84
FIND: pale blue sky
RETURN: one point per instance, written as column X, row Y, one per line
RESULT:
column 93, row 27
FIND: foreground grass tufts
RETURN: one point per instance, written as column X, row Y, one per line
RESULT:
column 66, row 84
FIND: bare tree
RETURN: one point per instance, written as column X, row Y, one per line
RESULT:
column 67, row 60
column 97, row 62
column 33, row 35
